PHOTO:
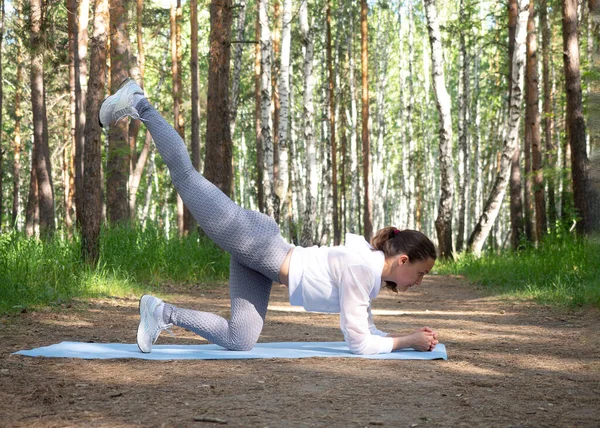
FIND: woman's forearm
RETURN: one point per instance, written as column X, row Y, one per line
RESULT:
column 401, row 341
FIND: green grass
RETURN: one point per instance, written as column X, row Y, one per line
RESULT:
column 132, row 260
column 562, row 271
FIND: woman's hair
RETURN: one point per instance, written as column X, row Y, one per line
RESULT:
column 394, row 242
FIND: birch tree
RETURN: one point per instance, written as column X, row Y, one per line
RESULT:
column 237, row 62
column 309, row 227
column 494, row 201
column 443, row 223
column 282, row 182
column 260, row 161
column 409, row 155
column 332, row 130
column 463, row 121
column 355, row 143
column 516, row 191
column 366, row 144
column 265, row 101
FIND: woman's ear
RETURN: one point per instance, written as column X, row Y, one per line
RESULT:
column 402, row 260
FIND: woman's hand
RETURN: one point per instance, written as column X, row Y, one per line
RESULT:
column 422, row 339
column 433, row 333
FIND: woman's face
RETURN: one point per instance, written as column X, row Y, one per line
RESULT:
column 407, row 274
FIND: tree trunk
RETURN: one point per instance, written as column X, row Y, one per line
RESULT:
column 141, row 59
column 443, row 223
column 195, row 143
column 533, row 125
column 494, row 201
column 355, row 144
column 137, row 66
column 73, row 36
column 237, row 65
column 32, row 214
column 266, row 121
column 65, row 164
column 333, row 143
column 593, row 122
column 308, row 226
column 92, row 159
column 409, row 157
column 138, row 162
column 40, row 121
column 183, row 215
column 478, row 175
column 18, row 117
column 136, row 175
column 217, row 163
column 1, row 115
column 575, row 119
column 81, row 76
column 275, row 106
column 282, row 183
column 516, row 200
column 117, row 163
column 366, row 145
column 463, row 121
column 548, row 111
column 150, row 176
column 260, row 160
column 379, row 178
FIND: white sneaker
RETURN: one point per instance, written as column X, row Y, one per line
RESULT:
column 150, row 327
column 120, row 104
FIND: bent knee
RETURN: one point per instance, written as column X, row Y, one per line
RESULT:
column 244, row 339
column 243, row 345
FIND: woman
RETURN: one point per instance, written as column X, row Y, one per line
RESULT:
column 329, row 279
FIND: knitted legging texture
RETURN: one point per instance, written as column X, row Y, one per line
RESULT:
column 252, row 238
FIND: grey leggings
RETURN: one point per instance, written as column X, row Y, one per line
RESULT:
column 252, row 238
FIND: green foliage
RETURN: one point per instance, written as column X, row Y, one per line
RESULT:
column 148, row 256
column 563, row 270
column 34, row 272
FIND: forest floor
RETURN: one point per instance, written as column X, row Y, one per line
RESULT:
column 511, row 364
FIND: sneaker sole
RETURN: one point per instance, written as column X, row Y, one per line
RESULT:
column 141, row 328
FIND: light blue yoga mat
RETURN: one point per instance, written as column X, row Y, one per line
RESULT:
column 215, row 352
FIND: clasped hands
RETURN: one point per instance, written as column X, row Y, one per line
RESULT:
column 422, row 339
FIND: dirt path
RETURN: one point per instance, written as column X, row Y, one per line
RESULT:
column 511, row 364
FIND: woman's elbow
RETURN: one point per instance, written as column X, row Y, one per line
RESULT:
column 361, row 349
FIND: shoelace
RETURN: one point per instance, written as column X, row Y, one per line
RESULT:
column 164, row 327
column 123, row 113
